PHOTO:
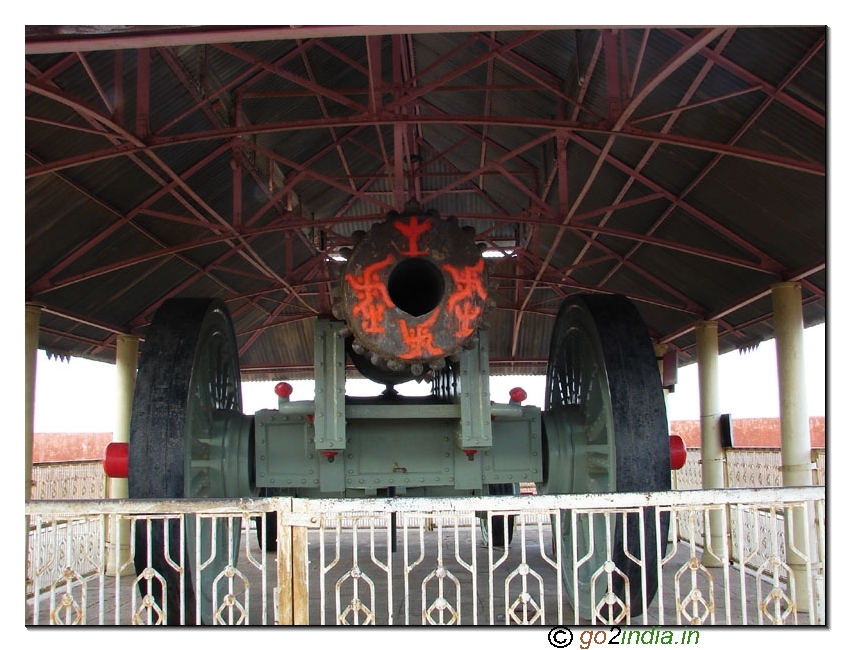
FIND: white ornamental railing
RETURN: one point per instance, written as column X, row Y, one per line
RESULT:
column 425, row 561
column 72, row 480
column 746, row 468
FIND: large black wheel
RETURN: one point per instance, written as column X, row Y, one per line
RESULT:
column 267, row 532
column 606, row 430
column 267, row 524
column 502, row 532
column 188, row 439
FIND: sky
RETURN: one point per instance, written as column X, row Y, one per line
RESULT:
column 78, row 396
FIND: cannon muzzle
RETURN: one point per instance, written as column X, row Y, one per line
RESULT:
column 414, row 292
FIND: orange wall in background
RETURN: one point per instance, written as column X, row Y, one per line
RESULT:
column 750, row 432
column 64, row 447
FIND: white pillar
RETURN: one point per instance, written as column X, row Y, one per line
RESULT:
column 790, row 364
column 797, row 466
column 32, row 318
column 126, row 358
column 711, row 450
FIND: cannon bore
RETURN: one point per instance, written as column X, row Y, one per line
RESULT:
column 414, row 292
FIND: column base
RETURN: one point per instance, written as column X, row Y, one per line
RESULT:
column 712, row 561
column 118, row 558
column 119, row 561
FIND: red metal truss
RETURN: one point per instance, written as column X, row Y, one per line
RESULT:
column 384, row 134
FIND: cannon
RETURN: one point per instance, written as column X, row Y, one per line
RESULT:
column 411, row 303
column 414, row 293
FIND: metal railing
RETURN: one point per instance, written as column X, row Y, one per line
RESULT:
column 72, row 480
column 746, row 468
column 68, row 545
column 425, row 561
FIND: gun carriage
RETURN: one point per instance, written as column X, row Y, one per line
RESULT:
column 411, row 303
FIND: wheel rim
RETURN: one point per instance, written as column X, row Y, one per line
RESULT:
column 188, row 439
column 604, row 413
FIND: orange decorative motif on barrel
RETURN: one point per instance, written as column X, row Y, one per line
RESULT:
column 413, row 293
column 412, row 230
column 372, row 296
column 419, row 339
column 469, row 283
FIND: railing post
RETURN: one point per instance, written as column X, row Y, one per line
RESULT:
column 300, row 593
column 292, row 594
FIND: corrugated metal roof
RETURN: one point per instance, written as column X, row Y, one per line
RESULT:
column 684, row 167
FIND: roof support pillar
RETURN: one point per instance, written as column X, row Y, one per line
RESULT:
column 119, row 560
column 796, row 446
column 713, row 459
column 33, row 316
column 790, row 363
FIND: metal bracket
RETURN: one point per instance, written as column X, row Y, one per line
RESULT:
column 475, row 430
column 329, row 360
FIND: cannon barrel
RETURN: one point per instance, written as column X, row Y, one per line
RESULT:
column 413, row 292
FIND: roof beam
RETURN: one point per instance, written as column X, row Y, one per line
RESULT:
column 54, row 39
column 742, row 73
column 44, row 282
column 668, row 125
column 290, row 183
column 338, row 145
column 458, row 70
column 143, row 124
column 236, row 86
column 766, row 260
column 419, row 119
column 731, row 308
column 675, row 201
column 316, row 175
column 664, row 71
column 547, row 81
column 279, row 71
column 310, row 266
